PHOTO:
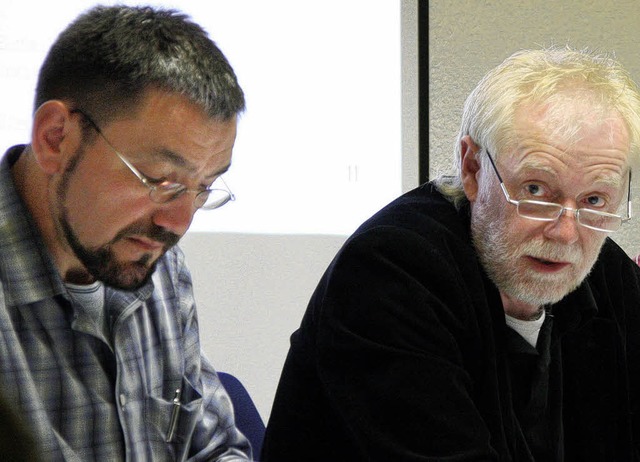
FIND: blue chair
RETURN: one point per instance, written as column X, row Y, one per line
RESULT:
column 248, row 418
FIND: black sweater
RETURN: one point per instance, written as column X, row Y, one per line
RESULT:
column 404, row 355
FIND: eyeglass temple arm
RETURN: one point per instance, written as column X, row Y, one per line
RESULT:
column 502, row 186
column 629, row 196
column 493, row 164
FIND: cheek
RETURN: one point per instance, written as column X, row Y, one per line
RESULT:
column 524, row 228
column 511, row 230
column 592, row 242
column 493, row 209
column 97, row 211
column 504, row 219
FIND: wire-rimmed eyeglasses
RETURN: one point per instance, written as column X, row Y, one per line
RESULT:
column 163, row 191
column 549, row 211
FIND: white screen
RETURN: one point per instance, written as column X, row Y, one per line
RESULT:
column 319, row 147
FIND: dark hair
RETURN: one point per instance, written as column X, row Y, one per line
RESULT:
column 106, row 59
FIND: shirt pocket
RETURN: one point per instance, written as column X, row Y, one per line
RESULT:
column 172, row 422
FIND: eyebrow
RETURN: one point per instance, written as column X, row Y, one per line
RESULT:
column 179, row 161
column 220, row 172
column 533, row 165
column 609, row 179
column 174, row 158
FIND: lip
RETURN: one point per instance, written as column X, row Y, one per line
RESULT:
column 146, row 244
column 547, row 266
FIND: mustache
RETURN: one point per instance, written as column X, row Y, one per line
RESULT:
column 153, row 232
column 553, row 252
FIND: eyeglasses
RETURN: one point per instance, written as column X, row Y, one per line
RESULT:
column 548, row 211
column 163, row 191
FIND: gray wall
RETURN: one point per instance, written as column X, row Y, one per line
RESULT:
column 467, row 38
column 251, row 291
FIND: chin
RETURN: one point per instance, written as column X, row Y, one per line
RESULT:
column 541, row 290
column 128, row 281
column 127, row 276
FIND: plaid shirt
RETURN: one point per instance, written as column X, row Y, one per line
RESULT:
column 89, row 400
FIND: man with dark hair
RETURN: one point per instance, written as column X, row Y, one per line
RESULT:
column 134, row 124
column 486, row 315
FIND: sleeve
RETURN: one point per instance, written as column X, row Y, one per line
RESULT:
column 399, row 342
column 215, row 436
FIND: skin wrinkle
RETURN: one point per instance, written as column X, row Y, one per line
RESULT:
column 176, row 160
column 603, row 167
column 150, row 162
column 172, row 157
column 611, row 176
column 604, row 183
column 511, row 247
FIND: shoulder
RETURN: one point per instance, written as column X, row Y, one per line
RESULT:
column 422, row 209
column 613, row 263
column 420, row 229
column 615, row 279
column 412, row 260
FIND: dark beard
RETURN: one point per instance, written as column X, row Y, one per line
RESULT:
column 100, row 262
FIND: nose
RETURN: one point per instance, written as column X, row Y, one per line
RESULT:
column 565, row 229
column 175, row 215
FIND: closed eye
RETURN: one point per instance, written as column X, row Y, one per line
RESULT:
column 155, row 181
column 161, row 182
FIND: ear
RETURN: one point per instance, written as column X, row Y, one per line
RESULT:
column 470, row 166
column 52, row 124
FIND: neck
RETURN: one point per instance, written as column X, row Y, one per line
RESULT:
column 35, row 188
column 520, row 310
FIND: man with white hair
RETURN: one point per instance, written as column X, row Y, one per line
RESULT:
column 486, row 315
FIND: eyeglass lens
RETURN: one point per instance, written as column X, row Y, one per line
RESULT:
column 586, row 217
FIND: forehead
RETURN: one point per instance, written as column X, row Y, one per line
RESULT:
column 570, row 119
column 173, row 129
column 571, row 137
